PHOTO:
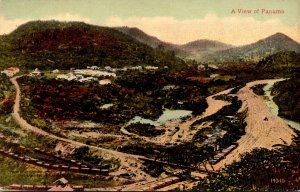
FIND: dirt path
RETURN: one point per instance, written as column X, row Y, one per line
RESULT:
column 129, row 162
column 263, row 128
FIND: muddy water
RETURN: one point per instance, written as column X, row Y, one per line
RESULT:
column 274, row 108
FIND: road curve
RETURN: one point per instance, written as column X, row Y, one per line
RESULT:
column 259, row 131
column 127, row 160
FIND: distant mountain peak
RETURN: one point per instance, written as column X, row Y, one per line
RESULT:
column 206, row 42
column 205, row 45
column 275, row 43
column 278, row 37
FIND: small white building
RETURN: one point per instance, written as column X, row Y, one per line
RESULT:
column 106, row 106
column 213, row 66
column 69, row 76
column 93, row 67
column 105, row 82
column 201, row 67
column 108, row 68
column 136, row 68
column 55, row 71
column 11, row 71
column 151, row 68
column 36, row 73
column 87, row 79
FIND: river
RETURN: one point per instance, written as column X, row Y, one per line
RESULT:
column 274, row 107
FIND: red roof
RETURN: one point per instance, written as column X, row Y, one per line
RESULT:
column 11, row 69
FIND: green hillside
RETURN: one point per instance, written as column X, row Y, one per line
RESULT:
column 287, row 97
column 286, row 93
column 62, row 45
column 284, row 63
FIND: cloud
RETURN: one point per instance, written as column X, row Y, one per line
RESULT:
column 7, row 26
column 234, row 30
column 67, row 17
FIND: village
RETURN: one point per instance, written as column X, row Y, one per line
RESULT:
column 92, row 73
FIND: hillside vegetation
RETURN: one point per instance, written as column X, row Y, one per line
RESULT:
column 278, row 42
column 260, row 170
column 287, row 97
column 62, row 45
column 280, row 63
column 209, row 51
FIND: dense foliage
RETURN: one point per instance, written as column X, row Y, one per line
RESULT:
column 134, row 94
column 282, row 63
column 258, row 89
column 287, row 97
column 260, row 170
column 147, row 130
column 6, row 95
column 63, row 45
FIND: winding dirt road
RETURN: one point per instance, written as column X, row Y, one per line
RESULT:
column 129, row 162
column 263, row 128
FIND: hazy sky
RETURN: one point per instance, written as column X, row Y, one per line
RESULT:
column 177, row 21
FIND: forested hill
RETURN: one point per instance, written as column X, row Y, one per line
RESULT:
column 62, row 45
column 287, row 63
column 278, row 42
column 287, row 97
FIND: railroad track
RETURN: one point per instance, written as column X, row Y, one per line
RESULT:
column 58, row 167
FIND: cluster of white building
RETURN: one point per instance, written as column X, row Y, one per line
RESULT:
column 86, row 76
column 73, row 77
column 108, row 68
column 92, row 73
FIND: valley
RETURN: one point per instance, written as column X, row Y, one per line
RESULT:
column 108, row 111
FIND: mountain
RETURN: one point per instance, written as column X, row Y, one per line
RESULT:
column 255, row 51
column 204, row 45
column 53, row 44
column 190, row 50
column 209, row 51
column 141, row 36
column 149, row 40
column 199, row 48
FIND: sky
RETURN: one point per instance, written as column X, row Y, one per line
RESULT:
column 175, row 21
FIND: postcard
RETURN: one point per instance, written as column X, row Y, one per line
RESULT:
column 139, row 95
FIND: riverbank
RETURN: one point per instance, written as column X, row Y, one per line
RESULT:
column 274, row 107
column 263, row 129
